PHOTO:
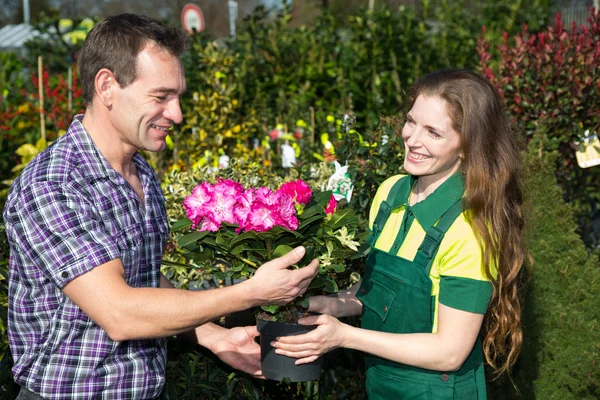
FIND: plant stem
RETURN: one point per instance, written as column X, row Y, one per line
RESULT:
column 269, row 247
column 250, row 263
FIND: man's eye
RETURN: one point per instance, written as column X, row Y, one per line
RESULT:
column 161, row 98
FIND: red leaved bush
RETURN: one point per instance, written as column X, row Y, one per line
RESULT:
column 56, row 92
column 551, row 80
column 553, row 74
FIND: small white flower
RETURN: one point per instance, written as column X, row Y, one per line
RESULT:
column 346, row 238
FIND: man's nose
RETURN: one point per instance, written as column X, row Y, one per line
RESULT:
column 173, row 112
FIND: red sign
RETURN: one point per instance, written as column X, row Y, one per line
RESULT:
column 192, row 18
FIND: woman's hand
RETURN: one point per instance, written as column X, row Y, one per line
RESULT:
column 308, row 347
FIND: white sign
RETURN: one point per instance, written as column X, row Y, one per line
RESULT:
column 588, row 151
column 192, row 18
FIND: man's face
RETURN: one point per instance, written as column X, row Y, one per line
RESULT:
column 143, row 111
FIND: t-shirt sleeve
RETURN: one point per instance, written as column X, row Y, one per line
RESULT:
column 59, row 231
column 463, row 284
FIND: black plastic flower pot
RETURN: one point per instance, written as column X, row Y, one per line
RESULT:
column 278, row 367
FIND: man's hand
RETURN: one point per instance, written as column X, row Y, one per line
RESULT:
column 235, row 346
column 274, row 283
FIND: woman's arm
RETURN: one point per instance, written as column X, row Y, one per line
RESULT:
column 342, row 304
column 445, row 350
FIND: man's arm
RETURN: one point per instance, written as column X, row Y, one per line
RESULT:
column 136, row 313
column 235, row 346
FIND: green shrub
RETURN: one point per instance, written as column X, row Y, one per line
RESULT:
column 561, row 354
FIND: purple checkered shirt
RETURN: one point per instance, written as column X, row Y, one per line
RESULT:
column 68, row 212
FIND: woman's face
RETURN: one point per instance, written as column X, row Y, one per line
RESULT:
column 432, row 146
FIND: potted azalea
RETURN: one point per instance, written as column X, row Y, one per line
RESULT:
column 231, row 230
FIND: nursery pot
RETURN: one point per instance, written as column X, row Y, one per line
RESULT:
column 278, row 367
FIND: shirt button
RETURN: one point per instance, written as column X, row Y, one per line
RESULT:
column 444, row 377
column 384, row 308
column 65, row 274
column 362, row 290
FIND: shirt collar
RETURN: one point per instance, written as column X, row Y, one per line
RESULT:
column 96, row 164
column 428, row 211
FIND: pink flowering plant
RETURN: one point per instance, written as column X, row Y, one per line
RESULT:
column 231, row 230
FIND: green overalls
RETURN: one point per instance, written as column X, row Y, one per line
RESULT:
column 396, row 297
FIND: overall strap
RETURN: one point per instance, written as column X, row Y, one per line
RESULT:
column 384, row 211
column 434, row 235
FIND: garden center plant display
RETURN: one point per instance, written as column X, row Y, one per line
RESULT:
column 233, row 230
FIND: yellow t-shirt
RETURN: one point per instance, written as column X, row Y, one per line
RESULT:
column 457, row 271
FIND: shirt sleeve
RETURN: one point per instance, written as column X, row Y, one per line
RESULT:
column 463, row 284
column 60, row 232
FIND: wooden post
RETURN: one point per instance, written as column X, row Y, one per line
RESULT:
column 312, row 125
column 70, row 85
column 371, row 5
column 41, row 92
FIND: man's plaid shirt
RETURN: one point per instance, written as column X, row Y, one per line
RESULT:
column 68, row 212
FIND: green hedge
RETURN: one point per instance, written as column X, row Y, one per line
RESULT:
column 561, row 354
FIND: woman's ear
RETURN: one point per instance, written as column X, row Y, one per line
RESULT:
column 104, row 85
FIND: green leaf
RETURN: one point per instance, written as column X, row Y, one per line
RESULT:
column 219, row 275
column 322, row 198
column 181, row 224
column 307, row 222
column 330, row 285
column 303, row 302
column 244, row 236
column 191, row 238
column 342, row 218
column 270, row 309
column 203, row 256
column 311, row 211
column 281, row 250
column 316, row 283
column 221, row 241
column 176, row 264
column 338, row 267
column 241, row 248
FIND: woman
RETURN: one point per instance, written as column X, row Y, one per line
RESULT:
column 446, row 254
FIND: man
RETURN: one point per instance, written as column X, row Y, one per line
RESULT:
column 88, row 306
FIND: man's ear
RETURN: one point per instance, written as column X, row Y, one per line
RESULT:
column 104, row 86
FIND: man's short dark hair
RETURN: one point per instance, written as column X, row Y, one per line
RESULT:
column 114, row 44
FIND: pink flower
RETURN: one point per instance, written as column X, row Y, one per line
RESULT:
column 298, row 190
column 261, row 218
column 243, row 207
column 194, row 203
column 220, row 209
column 331, row 206
column 228, row 187
column 208, row 224
column 275, row 134
column 265, row 196
column 287, row 212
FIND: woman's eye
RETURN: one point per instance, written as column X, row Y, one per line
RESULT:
column 435, row 134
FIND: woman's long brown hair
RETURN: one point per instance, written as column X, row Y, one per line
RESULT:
column 492, row 175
